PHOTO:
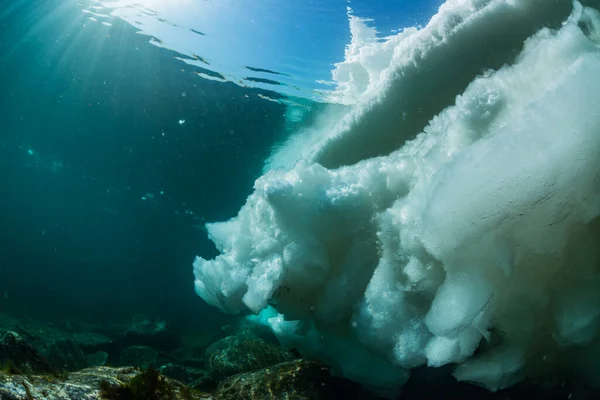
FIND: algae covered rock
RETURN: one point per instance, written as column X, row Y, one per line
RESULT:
column 153, row 332
column 37, row 333
column 243, row 353
column 97, row 359
column 98, row 383
column 190, row 356
column 182, row 373
column 293, row 380
column 18, row 356
column 65, row 355
column 92, row 342
column 138, row 356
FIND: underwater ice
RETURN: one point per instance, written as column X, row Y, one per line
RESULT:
column 452, row 216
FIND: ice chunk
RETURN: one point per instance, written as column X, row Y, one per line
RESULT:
column 466, row 233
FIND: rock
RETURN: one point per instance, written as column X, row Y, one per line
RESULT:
column 139, row 356
column 250, row 326
column 18, row 356
column 65, row 355
column 97, row 359
column 243, row 353
column 98, row 383
column 206, row 383
column 190, row 356
column 36, row 333
column 146, row 331
column 182, row 373
column 293, row 380
column 91, row 342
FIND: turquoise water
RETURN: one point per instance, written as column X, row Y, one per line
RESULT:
column 105, row 191
column 401, row 184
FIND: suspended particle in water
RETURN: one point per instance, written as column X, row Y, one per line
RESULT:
column 181, row 121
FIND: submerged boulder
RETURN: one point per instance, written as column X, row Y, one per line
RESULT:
column 18, row 356
column 243, row 353
column 190, row 356
column 98, row 383
column 65, row 355
column 153, row 332
column 97, row 359
column 293, row 380
column 183, row 373
column 35, row 332
column 139, row 356
column 92, row 342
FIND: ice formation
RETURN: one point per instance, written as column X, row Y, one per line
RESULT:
column 451, row 216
